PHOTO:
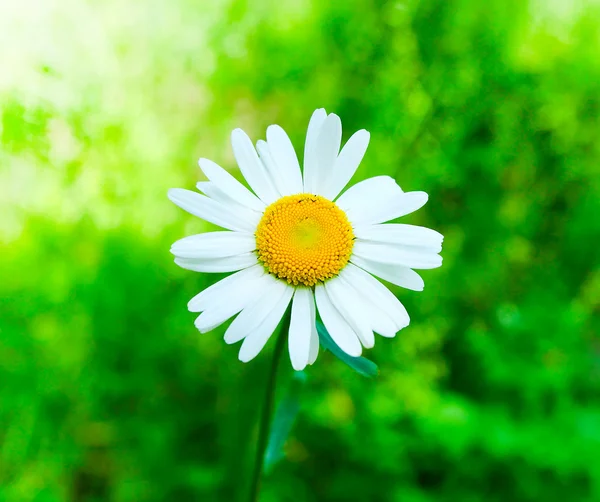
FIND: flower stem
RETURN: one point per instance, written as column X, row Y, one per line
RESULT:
column 265, row 420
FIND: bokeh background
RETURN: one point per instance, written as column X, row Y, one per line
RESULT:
column 108, row 393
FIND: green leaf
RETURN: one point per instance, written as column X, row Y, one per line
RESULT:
column 361, row 365
column 283, row 421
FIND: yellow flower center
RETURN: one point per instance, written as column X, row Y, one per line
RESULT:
column 304, row 239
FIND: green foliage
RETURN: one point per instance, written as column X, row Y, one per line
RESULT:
column 109, row 393
column 283, row 421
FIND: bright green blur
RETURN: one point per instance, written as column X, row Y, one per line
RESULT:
column 109, row 393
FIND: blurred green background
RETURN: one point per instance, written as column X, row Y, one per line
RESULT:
column 108, row 393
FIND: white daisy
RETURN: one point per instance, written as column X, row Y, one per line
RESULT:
column 297, row 240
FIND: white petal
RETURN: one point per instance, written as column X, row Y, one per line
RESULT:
column 220, row 291
column 349, row 305
column 214, row 245
column 362, row 202
column 378, row 199
column 207, row 321
column 272, row 169
column 223, row 215
column 229, row 302
column 347, row 163
column 256, row 340
column 218, row 265
column 257, row 311
column 338, row 328
column 396, row 274
column 230, row 186
column 398, row 233
column 377, row 292
column 314, row 335
column 314, row 340
column 328, row 147
column 301, row 325
column 252, row 168
column 311, row 163
column 395, row 254
column 209, row 189
column 285, row 158
column 408, row 203
column 213, row 192
column 379, row 320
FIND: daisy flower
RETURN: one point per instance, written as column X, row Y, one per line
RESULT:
column 295, row 240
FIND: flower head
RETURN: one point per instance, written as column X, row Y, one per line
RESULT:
column 294, row 239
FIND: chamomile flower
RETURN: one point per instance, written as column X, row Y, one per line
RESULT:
column 295, row 239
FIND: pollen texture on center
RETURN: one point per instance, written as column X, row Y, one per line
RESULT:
column 304, row 239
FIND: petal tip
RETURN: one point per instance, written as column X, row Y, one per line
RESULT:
column 238, row 134
column 228, row 340
column 422, row 195
column 200, row 327
column 353, row 352
column 298, row 365
column 274, row 128
column 192, row 308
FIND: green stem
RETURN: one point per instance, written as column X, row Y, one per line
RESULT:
column 265, row 421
